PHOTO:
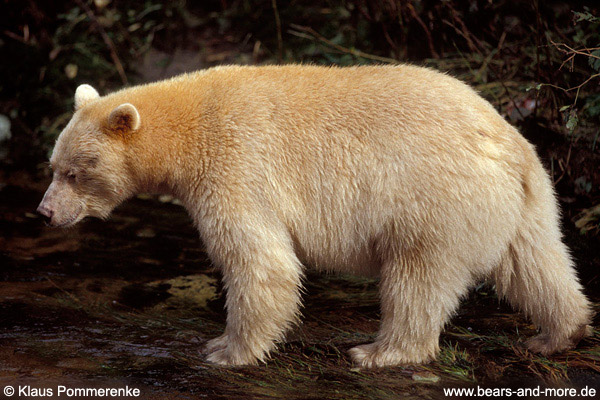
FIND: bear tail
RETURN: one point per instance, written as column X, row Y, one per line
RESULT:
column 536, row 273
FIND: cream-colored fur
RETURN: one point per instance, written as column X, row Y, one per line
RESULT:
column 400, row 172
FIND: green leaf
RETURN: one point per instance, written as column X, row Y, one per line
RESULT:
column 564, row 108
column 588, row 219
column 585, row 16
column 592, row 105
column 595, row 62
column 572, row 122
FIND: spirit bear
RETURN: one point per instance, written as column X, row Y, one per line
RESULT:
column 396, row 171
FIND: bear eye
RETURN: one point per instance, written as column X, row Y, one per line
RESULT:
column 71, row 176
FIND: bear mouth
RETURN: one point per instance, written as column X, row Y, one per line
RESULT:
column 72, row 220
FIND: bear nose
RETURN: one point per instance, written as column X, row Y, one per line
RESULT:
column 46, row 213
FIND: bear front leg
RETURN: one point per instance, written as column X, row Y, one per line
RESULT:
column 262, row 280
column 418, row 295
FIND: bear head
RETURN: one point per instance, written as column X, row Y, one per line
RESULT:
column 90, row 167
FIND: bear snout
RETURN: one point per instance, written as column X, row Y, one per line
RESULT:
column 45, row 212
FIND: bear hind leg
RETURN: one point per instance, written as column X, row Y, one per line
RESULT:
column 418, row 296
column 536, row 275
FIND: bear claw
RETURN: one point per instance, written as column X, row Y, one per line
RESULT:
column 545, row 345
column 378, row 354
column 215, row 344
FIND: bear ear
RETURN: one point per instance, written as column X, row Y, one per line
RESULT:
column 124, row 118
column 83, row 95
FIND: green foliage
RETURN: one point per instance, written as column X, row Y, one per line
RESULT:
column 67, row 49
column 589, row 220
column 592, row 105
column 585, row 16
column 594, row 60
column 455, row 361
column 587, row 44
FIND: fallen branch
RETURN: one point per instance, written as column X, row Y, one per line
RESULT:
column 578, row 87
column 571, row 52
column 301, row 31
column 585, row 51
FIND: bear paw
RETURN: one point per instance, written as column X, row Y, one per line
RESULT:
column 546, row 345
column 226, row 356
column 220, row 351
column 215, row 344
column 375, row 355
column 220, row 357
column 363, row 356
column 540, row 344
